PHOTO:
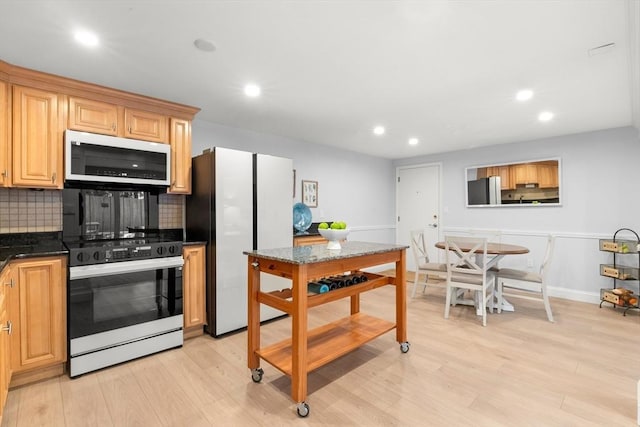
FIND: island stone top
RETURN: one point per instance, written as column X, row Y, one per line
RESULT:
column 319, row 253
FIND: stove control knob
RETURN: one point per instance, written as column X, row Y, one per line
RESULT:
column 81, row 257
column 161, row 250
column 98, row 256
column 172, row 249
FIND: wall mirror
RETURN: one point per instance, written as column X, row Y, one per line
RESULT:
column 529, row 183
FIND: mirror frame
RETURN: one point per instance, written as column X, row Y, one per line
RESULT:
column 515, row 163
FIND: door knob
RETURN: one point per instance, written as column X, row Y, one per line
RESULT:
column 433, row 225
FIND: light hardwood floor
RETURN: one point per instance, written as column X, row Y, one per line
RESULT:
column 519, row 370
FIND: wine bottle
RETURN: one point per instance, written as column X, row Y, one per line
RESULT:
column 317, row 288
column 332, row 286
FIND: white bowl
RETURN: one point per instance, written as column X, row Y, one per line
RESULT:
column 334, row 236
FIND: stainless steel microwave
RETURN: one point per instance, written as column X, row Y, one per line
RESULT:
column 91, row 157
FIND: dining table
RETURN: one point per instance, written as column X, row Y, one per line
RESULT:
column 496, row 251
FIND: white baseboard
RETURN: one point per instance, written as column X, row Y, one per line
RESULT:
column 574, row 295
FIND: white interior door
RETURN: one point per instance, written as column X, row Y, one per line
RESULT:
column 418, row 206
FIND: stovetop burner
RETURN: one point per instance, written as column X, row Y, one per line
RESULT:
column 88, row 252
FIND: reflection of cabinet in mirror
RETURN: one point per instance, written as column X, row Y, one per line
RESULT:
column 545, row 174
column 534, row 182
column 504, row 172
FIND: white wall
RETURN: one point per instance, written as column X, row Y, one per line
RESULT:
column 600, row 193
column 352, row 187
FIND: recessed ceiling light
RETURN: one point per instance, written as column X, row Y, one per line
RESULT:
column 204, row 45
column 86, row 38
column 545, row 116
column 252, row 90
column 413, row 141
column 378, row 130
column 524, row 95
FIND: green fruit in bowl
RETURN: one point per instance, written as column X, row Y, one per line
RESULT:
column 335, row 225
column 323, row 226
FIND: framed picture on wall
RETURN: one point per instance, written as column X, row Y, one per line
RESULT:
column 310, row 193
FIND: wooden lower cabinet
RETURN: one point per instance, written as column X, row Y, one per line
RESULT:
column 5, row 331
column 193, row 290
column 38, row 307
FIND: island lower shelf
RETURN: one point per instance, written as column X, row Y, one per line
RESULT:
column 328, row 342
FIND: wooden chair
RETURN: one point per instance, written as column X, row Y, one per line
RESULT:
column 421, row 258
column 527, row 281
column 467, row 269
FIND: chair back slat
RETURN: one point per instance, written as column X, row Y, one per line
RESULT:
column 462, row 254
column 548, row 255
column 419, row 247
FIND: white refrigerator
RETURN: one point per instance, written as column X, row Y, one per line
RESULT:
column 240, row 201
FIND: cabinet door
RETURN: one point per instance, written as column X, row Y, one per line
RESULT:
column 5, row 330
column 193, row 286
column 506, row 181
column 525, row 174
column 180, row 140
column 5, row 136
column 93, row 116
column 39, row 299
column 37, row 139
column 548, row 176
column 145, row 125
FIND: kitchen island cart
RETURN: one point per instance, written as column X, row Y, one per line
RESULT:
column 307, row 350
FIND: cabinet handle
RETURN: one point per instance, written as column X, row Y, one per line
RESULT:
column 129, row 129
column 113, row 126
column 10, row 284
column 8, row 328
column 53, row 177
column 5, row 173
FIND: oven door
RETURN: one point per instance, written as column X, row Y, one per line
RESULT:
column 108, row 297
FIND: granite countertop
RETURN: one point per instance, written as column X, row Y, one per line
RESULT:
column 319, row 253
column 26, row 245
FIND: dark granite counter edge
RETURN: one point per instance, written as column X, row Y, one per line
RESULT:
column 30, row 245
column 9, row 258
column 319, row 253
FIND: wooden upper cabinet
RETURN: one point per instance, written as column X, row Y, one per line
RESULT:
column 93, row 116
column 547, row 175
column 37, row 138
column 145, row 125
column 180, row 140
column 5, row 136
column 38, row 303
column 504, row 172
column 506, row 180
column 525, row 174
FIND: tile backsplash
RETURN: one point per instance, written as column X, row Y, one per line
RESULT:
column 26, row 210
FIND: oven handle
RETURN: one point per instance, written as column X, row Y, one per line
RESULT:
column 95, row 270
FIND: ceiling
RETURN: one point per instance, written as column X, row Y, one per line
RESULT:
column 445, row 72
